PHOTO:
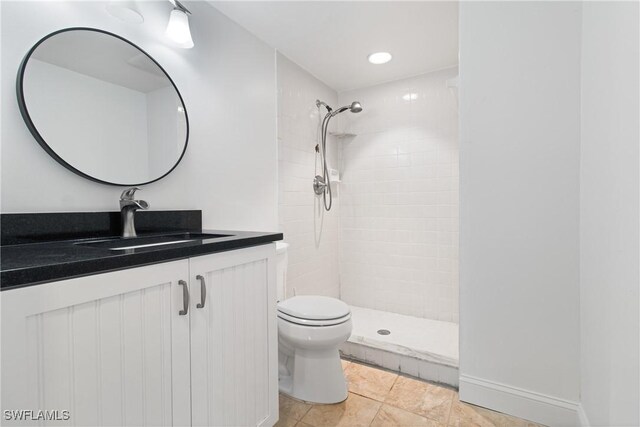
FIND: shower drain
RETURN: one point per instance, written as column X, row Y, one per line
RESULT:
column 384, row 332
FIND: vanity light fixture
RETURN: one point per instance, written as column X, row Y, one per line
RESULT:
column 379, row 58
column 125, row 10
column 178, row 28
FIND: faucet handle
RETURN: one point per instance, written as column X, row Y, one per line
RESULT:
column 128, row 193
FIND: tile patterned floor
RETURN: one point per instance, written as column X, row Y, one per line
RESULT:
column 380, row 398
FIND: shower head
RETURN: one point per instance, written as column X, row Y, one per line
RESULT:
column 321, row 182
column 355, row 107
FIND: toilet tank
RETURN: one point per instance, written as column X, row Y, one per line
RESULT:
column 281, row 269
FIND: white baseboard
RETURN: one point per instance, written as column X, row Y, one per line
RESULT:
column 540, row 408
column 582, row 417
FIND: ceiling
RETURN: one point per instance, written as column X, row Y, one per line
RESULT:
column 102, row 57
column 332, row 39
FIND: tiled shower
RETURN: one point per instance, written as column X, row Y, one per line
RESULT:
column 399, row 198
column 312, row 233
column 389, row 245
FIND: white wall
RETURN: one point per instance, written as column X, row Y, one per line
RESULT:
column 399, row 198
column 166, row 127
column 228, row 83
column 308, row 228
column 519, row 207
column 57, row 97
column 609, row 214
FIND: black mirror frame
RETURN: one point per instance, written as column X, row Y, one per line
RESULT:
column 34, row 131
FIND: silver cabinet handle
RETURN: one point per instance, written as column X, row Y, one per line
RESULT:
column 203, row 291
column 185, row 298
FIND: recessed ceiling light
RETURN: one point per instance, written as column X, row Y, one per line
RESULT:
column 379, row 58
column 410, row 96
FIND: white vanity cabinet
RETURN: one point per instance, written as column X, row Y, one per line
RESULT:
column 234, row 339
column 127, row 347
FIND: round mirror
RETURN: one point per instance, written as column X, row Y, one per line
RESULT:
column 102, row 107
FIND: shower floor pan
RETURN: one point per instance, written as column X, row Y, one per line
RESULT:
column 422, row 348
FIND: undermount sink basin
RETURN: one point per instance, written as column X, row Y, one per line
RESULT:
column 122, row 244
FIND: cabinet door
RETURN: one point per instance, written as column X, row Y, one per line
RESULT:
column 110, row 348
column 234, row 368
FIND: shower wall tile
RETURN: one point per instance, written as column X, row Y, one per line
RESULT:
column 311, row 232
column 398, row 232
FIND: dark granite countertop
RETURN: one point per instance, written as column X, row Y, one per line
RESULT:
column 30, row 264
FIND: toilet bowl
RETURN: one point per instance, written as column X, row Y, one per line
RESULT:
column 310, row 330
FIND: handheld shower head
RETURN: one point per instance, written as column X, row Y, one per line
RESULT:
column 321, row 183
column 356, row 107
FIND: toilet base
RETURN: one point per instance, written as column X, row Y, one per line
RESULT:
column 309, row 362
column 312, row 376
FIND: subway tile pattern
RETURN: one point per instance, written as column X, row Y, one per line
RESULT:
column 398, row 233
column 311, row 232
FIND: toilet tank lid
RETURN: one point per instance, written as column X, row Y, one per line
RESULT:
column 314, row 307
column 281, row 247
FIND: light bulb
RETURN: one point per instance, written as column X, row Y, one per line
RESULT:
column 178, row 29
column 379, row 58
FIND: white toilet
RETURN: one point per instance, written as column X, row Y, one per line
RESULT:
column 310, row 330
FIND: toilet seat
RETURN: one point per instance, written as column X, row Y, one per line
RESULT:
column 314, row 310
column 310, row 322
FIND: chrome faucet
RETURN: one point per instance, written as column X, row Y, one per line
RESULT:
column 128, row 207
